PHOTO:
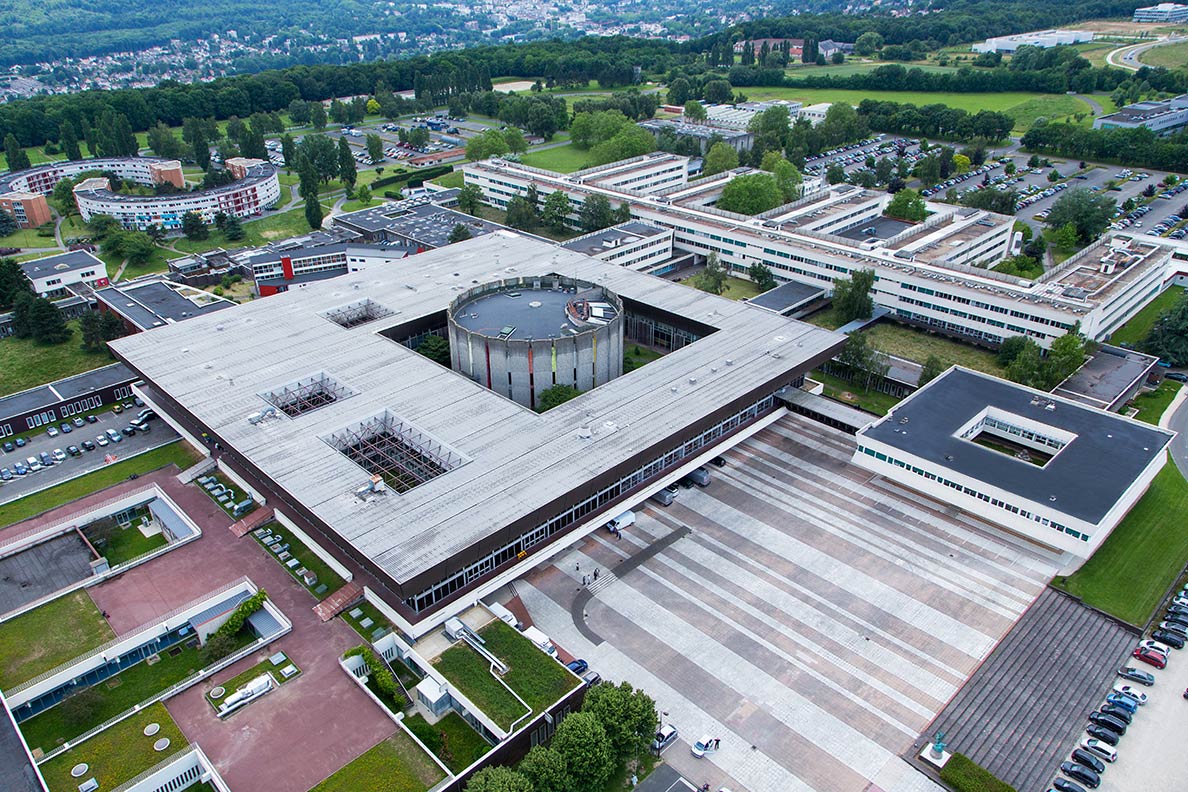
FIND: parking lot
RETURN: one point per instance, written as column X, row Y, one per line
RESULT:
column 814, row 620
column 38, row 442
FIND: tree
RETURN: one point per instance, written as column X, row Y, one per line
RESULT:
column 837, row 58
column 515, row 140
column 557, row 207
column 1010, row 348
column 346, row 164
column 1168, row 337
column 8, row 224
column 1090, row 213
column 1027, row 367
column 835, row 173
column 469, row 198
column 787, row 176
column 596, row 213
column 868, row 43
column 375, row 147
column 15, row 155
column 720, row 158
column 363, row 195
column 695, row 112
column 718, row 92
column 961, row 163
column 761, row 276
column 679, row 92
column 458, row 233
column 589, row 757
column 1065, row 356
column 13, row 283
column 102, row 225
column 68, row 140
column 233, row 229
column 164, row 143
column 545, row 768
column 933, row 368
column 313, row 212
column 373, row 107
column 851, row 296
column 628, row 715
column 750, row 194
column 289, row 151
column 44, row 323
column 435, row 348
column 138, row 247
column 488, row 144
column 498, row 778
column 558, row 394
column 99, row 327
column 713, row 278
column 862, row 361
column 906, row 205
column 193, row 227
column 1066, row 237
column 521, row 213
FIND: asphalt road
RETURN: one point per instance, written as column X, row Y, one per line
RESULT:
column 39, row 441
column 1179, row 445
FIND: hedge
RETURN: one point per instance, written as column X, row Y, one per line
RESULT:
column 379, row 671
column 241, row 613
column 965, row 775
column 423, row 175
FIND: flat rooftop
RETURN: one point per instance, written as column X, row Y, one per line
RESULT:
column 1107, row 376
column 509, row 464
column 1084, row 479
column 45, row 395
column 521, row 314
column 880, row 228
column 157, row 303
column 787, row 297
column 608, row 238
column 69, row 261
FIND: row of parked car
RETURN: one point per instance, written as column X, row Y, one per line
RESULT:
column 47, row 459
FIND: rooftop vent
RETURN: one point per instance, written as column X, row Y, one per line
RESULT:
column 401, row 454
column 307, row 394
column 357, row 313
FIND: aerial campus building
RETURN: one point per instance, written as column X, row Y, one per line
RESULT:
column 934, row 274
column 1048, row 468
column 256, row 188
column 441, row 484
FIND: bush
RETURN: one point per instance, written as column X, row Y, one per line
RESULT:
column 217, row 647
column 240, row 615
column 965, row 775
column 379, row 672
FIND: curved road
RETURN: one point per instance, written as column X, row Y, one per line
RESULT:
column 1179, row 445
column 1128, row 57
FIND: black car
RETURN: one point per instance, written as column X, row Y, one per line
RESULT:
column 92, row 419
column 1178, row 612
column 1117, row 712
column 9, row 447
column 1134, row 675
column 1177, row 376
column 128, row 431
column 1108, row 721
column 1172, row 639
column 73, row 451
column 88, row 445
column 1081, row 773
column 718, row 461
column 1081, row 756
column 1102, row 733
column 1064, row 785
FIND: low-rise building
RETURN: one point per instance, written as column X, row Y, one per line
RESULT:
column 1161, row 117
column 50, row 276
column 155, row 302
column 1164, row 12
column 737, row 139
column 638, row 246
column 1039, row 38
column 739, row 116
column 30, row 210
column 814, row 113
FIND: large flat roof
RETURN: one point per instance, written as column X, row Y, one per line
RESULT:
column 156, row 303
column 69, row 261
column 515, row 462
column 1084, row 479
column 50, row 394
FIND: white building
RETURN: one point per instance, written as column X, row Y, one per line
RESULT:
column 142, row 170
column 1040, row 38
column 1164, row 12
column 1162, row 118
column 1041, row 466
column 814, row 113
column 257, row 190
column 933, row 274
column 635, row 245
column 738, row 116
column 51, row 275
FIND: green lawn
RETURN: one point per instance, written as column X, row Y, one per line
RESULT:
column 917, row 345
column 49, row 635
column 842, row 391
column 850, row 68
column 256, row 232
column 118, row 754
column 111, row 697
column 233, row 684
column 395, row 765
column 29, row 238
column 378, row 621
column 1137, row 327
column 736, row 288
column 636, row 356
column 1152, row 403
column 451, row 739
column 178, row 453
column 539, row 679
column 462, row 666
column 118, row 544
column 158, row 262
column 355, row 204
column 305, row 558
column 562, row 159
column 1049, row 107
column 1169, row 56
column 828, row 318
column 451, row 179
column 1131, row 571
column 27, row 364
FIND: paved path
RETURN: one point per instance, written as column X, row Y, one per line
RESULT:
column 815, row 620
column 1178, row 422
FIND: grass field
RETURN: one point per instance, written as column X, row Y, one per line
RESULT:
column 27, row 364
column 178, row 453
column 736, row 288
column 395, row 765
column 452, row 179
column 1145, row 554
column 462, row 666
column 118, row 754
column 1136, row 329
column 1028, row 105
column 918, row 345
column 842, row 391
column 1169, row 56
column 158, row 262
column 563, row 159
column 1151, row 405
column 461, row 745
column 120, row 545
column 28, row 238
column 49, row 635
column 850, row 68
column 256, row 232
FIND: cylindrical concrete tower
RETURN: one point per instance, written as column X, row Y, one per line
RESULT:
column 522, row 336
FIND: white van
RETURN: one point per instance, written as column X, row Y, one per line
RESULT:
column 502, row 613
column 624, row 520
column 541, row 640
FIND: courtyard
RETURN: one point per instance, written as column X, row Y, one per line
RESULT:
column 812, row 619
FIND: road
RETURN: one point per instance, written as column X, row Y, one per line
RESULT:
column 1179, row 445
column 72, row 467
column 1128, row 57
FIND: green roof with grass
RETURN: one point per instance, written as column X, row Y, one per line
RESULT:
column 395, row 765
column 27, row 364
column 48, row 636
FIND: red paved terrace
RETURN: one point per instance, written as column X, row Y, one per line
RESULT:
column 301, row 732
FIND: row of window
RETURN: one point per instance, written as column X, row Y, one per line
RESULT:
column 1024, row 513
column 945, row 295
column 519, row 547
column 1026, row 434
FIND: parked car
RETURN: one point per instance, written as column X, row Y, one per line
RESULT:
column 1109, row 722
column 102, row 440
column 1121, row 713
column 92, row 419
column 665, row 737
column 1125, row 702
column 1173, row 639
column 9, row 447
column 20, row 468
column 1132, row 692
column 1102, row 734
column 1135, row 675
column 79, row 422
column 1098, row 749
column 578, row 666
column 1064, row 785
column 1081, row 773
column 66, row 428
column 702, row 746
column 74, row 451
column 5, row 474
column 114, row 436
column 1155, row 646
column 45, row 459
column 21, row 442
column 33, row 464
column 129, row 431
column 59, row 455
column 117, row 408
column 51, row 431
column 88, row 445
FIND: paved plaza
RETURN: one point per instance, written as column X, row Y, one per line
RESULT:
column 812, row 619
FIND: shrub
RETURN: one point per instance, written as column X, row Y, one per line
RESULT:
column 241, row 613
column 965, row 775
column 379, row 671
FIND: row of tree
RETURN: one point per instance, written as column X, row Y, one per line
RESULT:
column 935, row 121
column 1139, row 147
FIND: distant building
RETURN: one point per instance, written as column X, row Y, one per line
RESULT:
column 829, row 46
column 737, row 139
column 814, row 114
column 738, row 116
column 795, row 46
column 156, row 302
column 419, row 223
column 30, row 210
column 638, row 246
column 284, row 267
column 1164, row 12
column 52, row 275
column 169, row 172
column 1040, row 38
column 1162, row 118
